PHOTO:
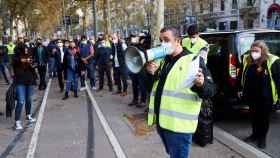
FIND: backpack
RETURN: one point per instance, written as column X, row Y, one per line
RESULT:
column 10, row 99
column 204, row 132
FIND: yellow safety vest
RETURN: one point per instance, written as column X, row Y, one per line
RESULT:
column 195, row 49
column 270, row 61
column 179, row 107
column 11, row 48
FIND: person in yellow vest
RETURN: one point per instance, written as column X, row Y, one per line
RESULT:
column 11, row 48
column 259, row 85
column 194, row 43
column 172, row 108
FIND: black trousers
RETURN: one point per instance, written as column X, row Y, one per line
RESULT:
column 60, row 78
column 260, row 116
column 42, row 69
column 102, row 70
column 138, row 87
column 120, row 77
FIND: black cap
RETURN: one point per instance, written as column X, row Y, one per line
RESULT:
column 192, row 30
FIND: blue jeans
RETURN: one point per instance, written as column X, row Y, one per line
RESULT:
column 177, row 145
column 71, row 77
column 51, row 66
column 3, row 68
column 90, row 69
column 24, row 96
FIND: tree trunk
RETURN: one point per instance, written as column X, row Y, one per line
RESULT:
column 107, row 16
column 11, row 26
column 157, row 20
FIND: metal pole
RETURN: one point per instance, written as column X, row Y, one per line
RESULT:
column 238, row 15
column 94, row 18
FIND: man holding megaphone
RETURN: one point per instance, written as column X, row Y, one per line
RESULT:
column 172, row 108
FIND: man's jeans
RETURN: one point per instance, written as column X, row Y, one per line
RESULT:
column 51, row 67
column 71, row 77
column 24, row 96
column 177, row 145
column 90, row 74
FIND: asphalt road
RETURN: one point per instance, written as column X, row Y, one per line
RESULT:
column 238, row 124
column 72, row 129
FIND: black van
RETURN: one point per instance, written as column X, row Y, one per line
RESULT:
column 224, row 58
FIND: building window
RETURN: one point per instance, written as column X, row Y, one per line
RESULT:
column 211, row 7
column 234, row 4
column 201, row 7
column 222, row 26
column 222, row 5
column 249, row 24
column 250, row 2
column 233, row 25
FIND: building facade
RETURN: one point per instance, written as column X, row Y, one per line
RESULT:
column 226, row 15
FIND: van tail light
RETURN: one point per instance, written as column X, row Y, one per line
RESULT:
column 232, row 70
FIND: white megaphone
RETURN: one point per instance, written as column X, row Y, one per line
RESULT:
column 135, row 59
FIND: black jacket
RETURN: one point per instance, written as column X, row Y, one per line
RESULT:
column 260, row 86
column 44, row 56
column 24, row 72
column 117, row 50
column 79, row 66
column 103, row 55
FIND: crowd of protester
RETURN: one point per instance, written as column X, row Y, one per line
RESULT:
column 25, row 64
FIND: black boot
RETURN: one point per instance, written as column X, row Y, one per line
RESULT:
column 66, row 96
column 261, row 143
column 250, row 139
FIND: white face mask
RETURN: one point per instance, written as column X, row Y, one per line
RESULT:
column 256, row 55
column 92, row 41
column 168, row 45
column 193, row 40
column 60, row 44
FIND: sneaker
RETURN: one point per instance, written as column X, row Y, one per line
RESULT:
column 18, row 125
column 30, row 120
column 94, row 88
column 83, row 88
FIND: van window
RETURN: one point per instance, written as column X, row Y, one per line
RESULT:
column 272, row 40
column 220, row 46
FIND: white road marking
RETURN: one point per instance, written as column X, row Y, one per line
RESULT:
column 35, row 135
column 111, row 136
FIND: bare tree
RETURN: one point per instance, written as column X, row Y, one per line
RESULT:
column 157, row 21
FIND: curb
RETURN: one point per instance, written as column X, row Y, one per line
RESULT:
column 238, row 145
